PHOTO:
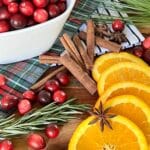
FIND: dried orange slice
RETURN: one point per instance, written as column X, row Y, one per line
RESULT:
column 133, row 108
column 124, row 136
column 107, row 60
column 123, row 72
column 131, row 88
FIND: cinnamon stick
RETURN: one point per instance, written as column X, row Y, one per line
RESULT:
column 78, row 73
column 90, row 39
column 82, row 35
column 49, row 76
column 111, row 46
column 83, row 52
column 72, row 47
column 46, row 59
column 66, row 46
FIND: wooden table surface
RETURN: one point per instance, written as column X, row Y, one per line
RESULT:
column 61, row 142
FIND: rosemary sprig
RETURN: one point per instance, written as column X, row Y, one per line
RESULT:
column 103, row 116
column 38, row 118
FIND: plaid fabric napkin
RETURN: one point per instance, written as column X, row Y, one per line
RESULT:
column 21, row 76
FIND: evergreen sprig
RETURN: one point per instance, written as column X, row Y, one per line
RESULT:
column 37, row 119
column 137, row 10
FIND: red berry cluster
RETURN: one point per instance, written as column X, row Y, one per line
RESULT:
column 18, row 14
column 51, row 92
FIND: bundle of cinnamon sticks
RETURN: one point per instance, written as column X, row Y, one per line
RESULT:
column 78, row 56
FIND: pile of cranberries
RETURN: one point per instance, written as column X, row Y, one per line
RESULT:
column 51, row 92
column 18, row 14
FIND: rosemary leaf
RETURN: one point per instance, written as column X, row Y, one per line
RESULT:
column 38, row 118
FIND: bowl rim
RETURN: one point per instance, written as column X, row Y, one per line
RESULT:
column 68, row 10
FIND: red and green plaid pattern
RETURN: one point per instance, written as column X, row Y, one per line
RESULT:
column 21, row 76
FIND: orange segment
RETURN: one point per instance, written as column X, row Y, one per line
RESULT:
column 133, row 108
column 123, row 72
column 107, row 60
column 124, row 136
column 131, row 88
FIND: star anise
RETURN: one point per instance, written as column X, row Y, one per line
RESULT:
column 103, row 116
column 118, row 37
column 102, row 30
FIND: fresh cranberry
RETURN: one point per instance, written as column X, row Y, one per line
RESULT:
column 4, row 26
column 118, row 25
column 4, row 13
column 24, row 106
column 30, row 95
column 62, row 6
column 53, row 10
column 146, row 56
column 59, row 96
column 40, row 3
column 31, row 22
column 36, row 141
column 53, row 1
column 6, row 2
column 62, row 1
column 63, row 78
column 52, row 85
column 1, row 3
column 13, row 7
column 40, row 15
column 146, row 43
column 26, row 8
column 44, row 97
column 8, row 102
column 2, row 79
column 52, row 131
column 138, row 52
column 6, row 145
column 18, row 21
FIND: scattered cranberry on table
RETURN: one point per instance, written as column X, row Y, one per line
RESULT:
column 2, row 80
column 146, row 43
column 36, row 141
column 63, row 78
column 9, row 102
column 30, row 95
column 146, row 56
column 24, row 106
column 18, row 14
column 44, row 97
column 52, row 85
column 118, row 25
column 59, row 96
column 138, row 52
column 6, row 145
column 52, row 131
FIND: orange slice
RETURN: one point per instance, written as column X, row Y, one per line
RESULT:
column 124, row 136
column 133, row 108
column 123, row 72
column 107, row 60
column 131, row 88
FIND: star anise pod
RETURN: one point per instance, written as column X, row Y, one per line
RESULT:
column 103, row 116
column 118, row 37
column 102, row 30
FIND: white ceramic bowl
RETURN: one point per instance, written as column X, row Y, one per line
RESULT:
column 32, row 41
